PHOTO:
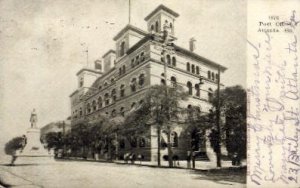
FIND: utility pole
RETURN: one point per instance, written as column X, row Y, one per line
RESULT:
column 218, row 152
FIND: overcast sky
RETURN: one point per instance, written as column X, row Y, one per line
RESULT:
column 42, row 47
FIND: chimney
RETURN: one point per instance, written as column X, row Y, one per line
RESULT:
column 192, row 44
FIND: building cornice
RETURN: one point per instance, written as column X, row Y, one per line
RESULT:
column 132, row 28
column 161, row 7
column 198, row 57
column 87, row 69
column 76, row 91
column 109, row 51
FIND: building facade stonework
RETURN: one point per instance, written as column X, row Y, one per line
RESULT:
column 119, row 83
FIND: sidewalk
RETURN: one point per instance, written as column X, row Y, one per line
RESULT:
column 9, row 179
column 199, row 165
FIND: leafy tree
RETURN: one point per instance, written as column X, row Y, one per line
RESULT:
column 12, row 146
column 233, row 108
column 158, row 108
column 54, row 140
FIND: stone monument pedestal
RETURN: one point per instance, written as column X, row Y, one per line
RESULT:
column 34, row 151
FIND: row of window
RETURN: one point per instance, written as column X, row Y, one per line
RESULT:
column 106, row 100
column 196, row 70
column 192, row 68
column 156, row 26
column 170, row 61
column 189, row 86
column 197, row 88
column 94, row 106
column 138, row 59
column 212, row 76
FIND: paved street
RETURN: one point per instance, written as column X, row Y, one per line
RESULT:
column 76, row 174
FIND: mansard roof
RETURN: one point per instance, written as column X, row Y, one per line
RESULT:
column 162, row 7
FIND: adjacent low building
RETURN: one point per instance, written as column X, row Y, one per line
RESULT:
column 119, row 81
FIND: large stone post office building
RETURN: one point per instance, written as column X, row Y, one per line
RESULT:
column 119, row 81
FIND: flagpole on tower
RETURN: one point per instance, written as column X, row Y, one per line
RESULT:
column 129, row 12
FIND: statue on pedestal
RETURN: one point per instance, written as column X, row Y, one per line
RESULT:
column 32, row 151
column 33, row 119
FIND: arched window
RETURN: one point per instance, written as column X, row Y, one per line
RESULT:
column 114, row 95
column 106, row 98
column 94, row 105
column 197, row 70
column 113, row 113
column 174, row 61
column 133, row 84
column 171, row 26
column 190, row 88
column 162, row 81
column 141, row 79
column 208, row 74
column 88, row 108
column 100, row 87
column 122, row 111
column 122, row 90
column 193, row 69
column 210, row 95
column 122, row 48
column 168, row 59
column 156, row 26
column 112, row 80
column 188, row 66
column 132, row 63
column 142, row 57
column 123, row 69
column 81, row 82
column 217, row 76
column 100, row 102
column 120, row 71
column 152, row 28
column 105, row 84
column 213, row 76
column 174, row 139
column 173, row 81
column 197, row 88
column 137, row 59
